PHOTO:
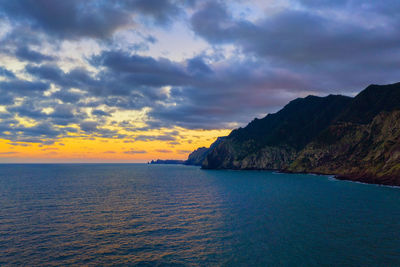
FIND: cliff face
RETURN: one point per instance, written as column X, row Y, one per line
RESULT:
column 362, row 152
column 353, row 138
column 226, row 156
column 197, row 157
column 274, row 141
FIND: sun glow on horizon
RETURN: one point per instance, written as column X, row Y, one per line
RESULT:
column 92, row 149
column 132, row 81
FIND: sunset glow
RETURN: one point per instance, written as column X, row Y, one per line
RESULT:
column 132, row 81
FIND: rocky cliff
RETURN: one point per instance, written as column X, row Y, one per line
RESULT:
column 198, row 156
column 274, row 141
column 353, row 138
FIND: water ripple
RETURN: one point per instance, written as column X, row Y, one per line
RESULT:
column 143, row 215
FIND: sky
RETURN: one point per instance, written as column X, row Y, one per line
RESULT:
column 135, row 80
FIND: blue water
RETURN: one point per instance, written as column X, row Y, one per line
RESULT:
column 162, row 215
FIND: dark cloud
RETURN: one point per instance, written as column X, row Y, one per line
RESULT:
column 24, row 87
column 52, row 73
column 50, row 125
column 27, row 109
column 200, row 96
column 47, row 72
column 100, row 113
column 6, row 99
column 43, row 129
column 65, row 114
column 214, row 23
column 67, row 96
column 24, row 53
column 89, row 126
column 93, row 128
column 69, row 19
column 191, row 94
column 6, row 73
column 161, row 11
column 332, row 43
column 311, row 47
column 75, row 19
column 43, row 132
column 197, row 67
column 142, row 71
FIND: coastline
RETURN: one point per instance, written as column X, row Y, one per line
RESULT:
column 382, row 181
column 356, row 179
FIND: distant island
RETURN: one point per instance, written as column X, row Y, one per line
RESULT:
column 352, row 138
column 166, row 161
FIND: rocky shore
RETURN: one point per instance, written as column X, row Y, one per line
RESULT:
column 352, row 138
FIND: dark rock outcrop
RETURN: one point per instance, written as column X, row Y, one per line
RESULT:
column 167, row 161
column 198, row 156
column 195, row 158
column 352, row 138
column 274, row 141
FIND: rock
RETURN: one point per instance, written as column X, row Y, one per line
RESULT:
column 352, row 138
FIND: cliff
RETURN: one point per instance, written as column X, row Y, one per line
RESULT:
column 198, row 156
column 195, row 158
column 362, row 152
column 352, row 138
column 274, row 141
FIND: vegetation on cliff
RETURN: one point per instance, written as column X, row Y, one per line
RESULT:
column 353, row 138
column 274, row 141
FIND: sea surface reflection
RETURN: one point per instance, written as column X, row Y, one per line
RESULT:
column 156, row 215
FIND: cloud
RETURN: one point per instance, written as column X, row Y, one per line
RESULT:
column 191, row 94
column 334, row 45
column 135, row 152
column 197, row 95
column 24, row 53
column 252, row 65
column 74, row 19
column 42, row 132
column 76, row 77
column 67, row 96
column 147, row 138
column 89, row 126
column 19, row 144
column 100, row 113
column 184, row 151
column 24, row 87
column 27, row 109
column 142, row 70
column 69, row 19
column 161, row 11
column 6, row 73
column 65, row 114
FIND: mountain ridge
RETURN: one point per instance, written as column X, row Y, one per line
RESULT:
column 353, row 138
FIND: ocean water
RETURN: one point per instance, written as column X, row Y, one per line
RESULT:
column 171, row 215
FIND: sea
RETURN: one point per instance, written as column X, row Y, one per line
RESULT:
column 175, row 215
